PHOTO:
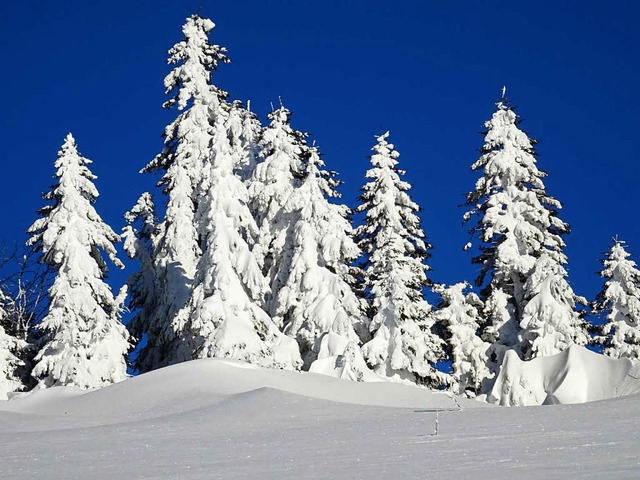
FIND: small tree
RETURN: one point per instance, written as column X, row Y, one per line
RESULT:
column 404, row 345
column 12, row 348
column 619, row 301
column 84, row 343
column 316, row 298
column 460, row 316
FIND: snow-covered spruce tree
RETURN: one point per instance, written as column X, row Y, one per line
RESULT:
column 316, row 304
column 520, row 233
column 273, row 182
column 619, row 301
column 12, row 348
column 85, row 343
column 137, row 239
column 404, row 345
column 227, row 319
column 185, row 161
column 460, row 316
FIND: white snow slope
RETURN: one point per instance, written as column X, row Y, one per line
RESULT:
column 218, row 419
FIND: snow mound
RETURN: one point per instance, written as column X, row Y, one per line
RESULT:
column 220, row 419
column 576, row 375
column 200, row 383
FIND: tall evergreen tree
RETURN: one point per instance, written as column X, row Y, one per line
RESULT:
column 520, row 236
column 273, row 182
column 619, row 300
column 460, row 313
column 185, row 161
column 404, row 345
column 316, row 302
column 85, row 343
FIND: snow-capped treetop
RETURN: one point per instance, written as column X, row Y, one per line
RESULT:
column 144, row 209
column 621, row 291
column 619, row 299
column 280, row 171
column 511, row 197
column 72, row 216
column 404, row 346
column 387, row 203
column 195, row 58
column 244, row 130
column 391, row 222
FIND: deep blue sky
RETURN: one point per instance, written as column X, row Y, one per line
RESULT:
column 427, row 71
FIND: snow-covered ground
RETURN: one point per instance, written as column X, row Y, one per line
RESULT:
column 211, row 419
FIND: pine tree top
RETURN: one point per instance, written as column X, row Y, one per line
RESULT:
column 195, row 59
column 144, row 209
column 621, row 274
column 72, row 212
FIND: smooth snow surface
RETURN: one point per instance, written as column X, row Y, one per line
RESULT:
column 576, row 375
column 215, row 419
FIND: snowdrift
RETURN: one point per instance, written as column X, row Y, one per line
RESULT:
column 219, row 419
column 200, row 383
column 576, row 375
